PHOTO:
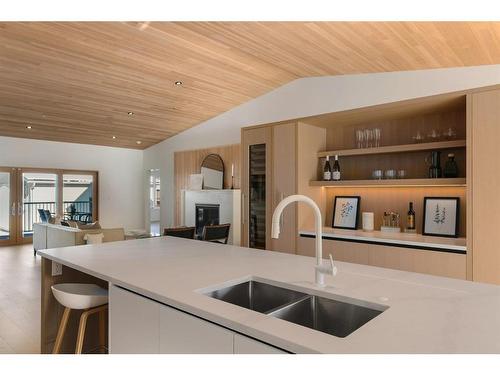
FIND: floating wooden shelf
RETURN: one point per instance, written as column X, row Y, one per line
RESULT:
column 395, row 149
column 395, row 182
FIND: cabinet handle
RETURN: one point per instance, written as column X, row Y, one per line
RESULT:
column 243, row 208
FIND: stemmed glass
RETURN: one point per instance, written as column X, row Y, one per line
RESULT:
column 368, row 138
column 360, row 136
column 376, row 135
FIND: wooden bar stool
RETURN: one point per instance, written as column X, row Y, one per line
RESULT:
column 89, row 297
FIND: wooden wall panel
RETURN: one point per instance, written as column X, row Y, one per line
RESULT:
column 380, row 199
column 284, row 179
column 189, row 162
column 485, row 217
column 310, row 140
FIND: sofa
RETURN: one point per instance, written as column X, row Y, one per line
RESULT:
column 48, row 236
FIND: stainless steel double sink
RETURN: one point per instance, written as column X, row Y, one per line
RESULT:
column 329, row 315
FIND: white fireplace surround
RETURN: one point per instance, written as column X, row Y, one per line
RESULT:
column 229, row 211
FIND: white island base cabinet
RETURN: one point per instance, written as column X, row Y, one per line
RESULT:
column 140, row 325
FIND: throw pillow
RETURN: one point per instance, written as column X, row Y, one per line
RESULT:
column 93, row 238
column 94, row 225
column 72, row 224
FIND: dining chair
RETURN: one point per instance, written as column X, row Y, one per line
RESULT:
column 216, row 233
column 182, row 232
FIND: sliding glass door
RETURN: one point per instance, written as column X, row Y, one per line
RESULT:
column 79, row 197
column 39, row 198
column 7, row 206
column 34, row 195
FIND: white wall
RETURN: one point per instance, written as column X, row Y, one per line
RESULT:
column 121, row 176
column 307, row 97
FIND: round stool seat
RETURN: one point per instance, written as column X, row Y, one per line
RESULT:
column 80, row 296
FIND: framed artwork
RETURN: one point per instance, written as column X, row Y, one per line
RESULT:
column 441, row 216
column 345, row 212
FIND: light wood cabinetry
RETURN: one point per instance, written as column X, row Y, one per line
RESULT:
column 484, row 204
column 284, row 158
column 268, row 175
column 413, row 260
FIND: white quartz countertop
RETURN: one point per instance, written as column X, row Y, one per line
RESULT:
column 406, row 239
column 426, row 314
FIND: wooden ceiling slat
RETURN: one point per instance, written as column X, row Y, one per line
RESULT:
column 76, row 81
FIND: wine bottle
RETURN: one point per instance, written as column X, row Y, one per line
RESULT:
column 410, row 218
column 327, row 170
column 336, row 169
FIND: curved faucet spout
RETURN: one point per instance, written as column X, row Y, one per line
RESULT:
column 275, row 232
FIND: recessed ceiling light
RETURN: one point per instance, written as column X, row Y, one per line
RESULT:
column 28, row 127
column 138, row 142
column 130, row 113
column 114, row 137
column 178, row 83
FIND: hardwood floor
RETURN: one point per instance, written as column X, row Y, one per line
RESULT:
column 19, row 300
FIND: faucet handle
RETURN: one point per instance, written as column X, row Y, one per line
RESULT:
column 334, row 269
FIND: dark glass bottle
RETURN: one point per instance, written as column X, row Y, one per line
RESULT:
column 435, row 168
column 327, row 170
column 336, row 169
column 410, row 218
column 451, row 167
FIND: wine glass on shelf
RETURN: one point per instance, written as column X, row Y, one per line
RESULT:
column 368, row 138
column 360, row 136
column 376, row 135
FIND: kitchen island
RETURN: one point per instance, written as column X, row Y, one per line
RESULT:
column 158, row 301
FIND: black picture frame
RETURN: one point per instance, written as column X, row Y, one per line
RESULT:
column 356, row 222
column 425, row 225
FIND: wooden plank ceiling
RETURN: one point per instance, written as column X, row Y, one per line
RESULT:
column 76, row 82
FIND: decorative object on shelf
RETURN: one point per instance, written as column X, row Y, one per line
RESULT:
column 377, row 132
column 451, row 167
column 410, row 220
column 434, row 135
column 368, row 221
column 390, row 174
column 212, row 169
column 195, row 181
column 441, row 215
column 401, row 173
column 390, row 222
column 360, row 137
column 366, row 138
column 449, row 134
column 377, row 174
column 345, row 212
column 419, row 137
column 327, row 170
column 435, row 164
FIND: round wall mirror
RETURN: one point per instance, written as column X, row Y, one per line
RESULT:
column 212, row 169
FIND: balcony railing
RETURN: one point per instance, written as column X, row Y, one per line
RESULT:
column 81, row 211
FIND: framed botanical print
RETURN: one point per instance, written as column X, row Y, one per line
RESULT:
column 345, row 212
column 441, row 216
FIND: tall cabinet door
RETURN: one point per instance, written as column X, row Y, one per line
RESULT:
column 284, row 184
column 256, row 196
column 483, row 204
